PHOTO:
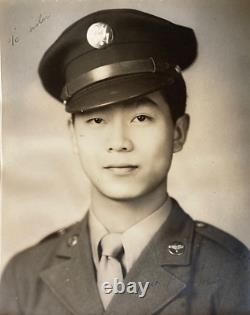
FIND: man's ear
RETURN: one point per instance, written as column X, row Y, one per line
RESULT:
column 180, row 132
column 71, row 128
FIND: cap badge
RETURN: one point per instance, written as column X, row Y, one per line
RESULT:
column 100, row 35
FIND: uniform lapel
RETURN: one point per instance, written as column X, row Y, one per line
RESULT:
column 71, row 277
column 167, row 273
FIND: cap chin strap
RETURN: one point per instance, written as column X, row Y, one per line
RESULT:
column 114, row 70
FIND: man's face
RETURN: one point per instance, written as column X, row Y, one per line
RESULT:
column 126, row 149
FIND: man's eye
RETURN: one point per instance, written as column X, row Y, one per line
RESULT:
column 142, row 118
column 96, row 120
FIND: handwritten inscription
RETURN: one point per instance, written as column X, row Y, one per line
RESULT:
column 14, row 39
column 40, row 21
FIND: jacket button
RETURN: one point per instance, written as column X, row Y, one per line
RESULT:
column 176, row 248
column 73, row 240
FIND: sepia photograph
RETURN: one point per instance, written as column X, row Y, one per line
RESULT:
column 125, row 157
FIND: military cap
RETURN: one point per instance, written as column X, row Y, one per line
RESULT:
column 115, row 55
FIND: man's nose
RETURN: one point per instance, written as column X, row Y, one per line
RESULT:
column 119, row 139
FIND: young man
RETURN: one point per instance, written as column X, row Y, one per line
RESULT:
column 136, row 252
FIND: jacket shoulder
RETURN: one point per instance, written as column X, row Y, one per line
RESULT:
column 42, row 253
column 57, row 234
column 21, row 277
column 223, row 240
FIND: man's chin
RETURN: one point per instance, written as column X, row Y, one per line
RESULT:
column 121, row 195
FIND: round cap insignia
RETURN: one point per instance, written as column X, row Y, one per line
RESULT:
column 100, row 35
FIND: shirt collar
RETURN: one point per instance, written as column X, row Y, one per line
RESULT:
column 97, row 231
column 135, row 238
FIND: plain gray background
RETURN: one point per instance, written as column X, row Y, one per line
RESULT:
column 44, row 188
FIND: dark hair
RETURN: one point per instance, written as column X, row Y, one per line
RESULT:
column 175, row 95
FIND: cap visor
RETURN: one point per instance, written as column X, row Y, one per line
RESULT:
column 114, row 91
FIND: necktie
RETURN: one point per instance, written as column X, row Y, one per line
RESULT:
column 109, row 265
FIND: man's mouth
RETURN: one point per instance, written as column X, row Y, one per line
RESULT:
column 121, row 169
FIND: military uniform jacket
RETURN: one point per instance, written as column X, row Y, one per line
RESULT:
column 208, row 276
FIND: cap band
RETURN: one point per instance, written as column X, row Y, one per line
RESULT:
column 110, row 71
